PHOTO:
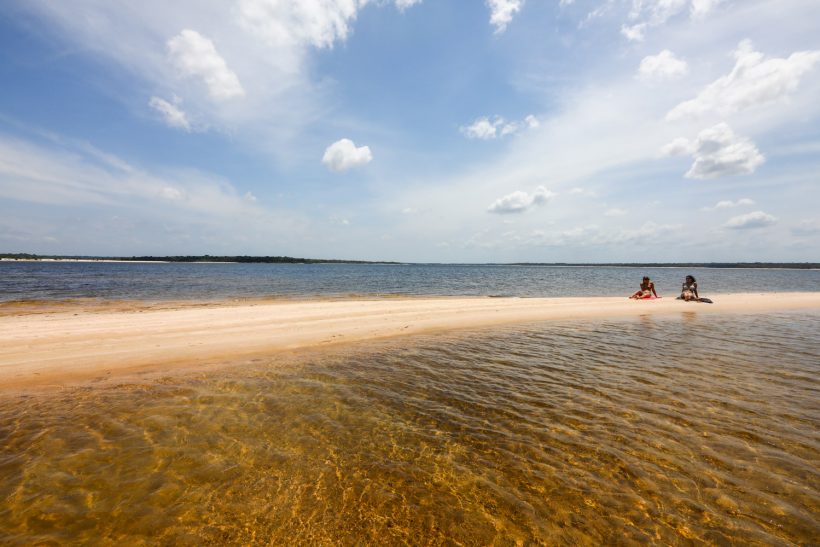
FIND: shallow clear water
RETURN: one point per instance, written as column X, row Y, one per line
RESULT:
column 667, row 430
column 125, row 281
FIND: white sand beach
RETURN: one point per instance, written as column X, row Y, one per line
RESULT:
column 78, row 342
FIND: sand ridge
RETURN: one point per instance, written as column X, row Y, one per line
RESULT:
column 72, row 343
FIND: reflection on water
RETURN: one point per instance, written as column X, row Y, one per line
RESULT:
column 617, row 432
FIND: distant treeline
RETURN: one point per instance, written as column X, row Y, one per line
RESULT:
column 246, row 259
column 199, row 258
column 291, row 260
column 783, row 265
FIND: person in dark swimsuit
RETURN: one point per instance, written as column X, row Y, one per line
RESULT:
column 647, row 290
column 689, row 290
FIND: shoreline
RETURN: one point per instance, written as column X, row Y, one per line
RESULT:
column 73, row 343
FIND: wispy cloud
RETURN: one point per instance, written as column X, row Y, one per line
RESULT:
column 807, row 227
column 647, row 14
column 729, row 204
column 171, row 113
column 485, row 128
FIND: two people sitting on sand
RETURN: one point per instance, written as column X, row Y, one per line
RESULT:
column 689, row 291
column 647, row 290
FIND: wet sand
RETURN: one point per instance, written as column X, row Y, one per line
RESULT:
column 79, row 342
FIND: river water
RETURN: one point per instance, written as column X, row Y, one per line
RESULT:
column 49, row 281
column 667, row 430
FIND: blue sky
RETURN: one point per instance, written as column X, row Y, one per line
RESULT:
column 426, row 130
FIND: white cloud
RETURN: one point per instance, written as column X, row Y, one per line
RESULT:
column 634, row 33
column 752, row 82
column 649, row 13
column 518, row 201
column 717, row 152
column 700, row 8
column 502, row 12
column 308, row 22
column 171, row 193
column 343, row 155
column 482, row 128
column 678, row 147
column 729, row 204
column 194, row 55
column 615, row 212
column 663, row 66
column 171, row 113
column 485, row 129
column 646, row 14
column 404, row 4
column 757, row 219
column 289, row 24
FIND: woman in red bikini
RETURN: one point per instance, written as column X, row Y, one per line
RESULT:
column 647, row 290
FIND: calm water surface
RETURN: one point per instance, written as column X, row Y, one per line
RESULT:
column 125, row 281
column 697, row 429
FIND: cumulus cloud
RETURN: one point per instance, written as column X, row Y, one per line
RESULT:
column 757, row 219
column 615, row 212
column 171, row 113
column 194, row 55
column 502, row 12
column 343, row 155
column 663, row 66
column 518, row 201
column 729, row 204
column 717, row 152
column 752, row 82
column 485, row 128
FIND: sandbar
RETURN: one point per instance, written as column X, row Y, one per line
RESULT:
column 76, row 343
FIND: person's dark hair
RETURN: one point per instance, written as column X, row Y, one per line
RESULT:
column 688, row 277
column 645, row 278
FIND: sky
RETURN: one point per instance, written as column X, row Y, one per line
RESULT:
column 412, row 130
